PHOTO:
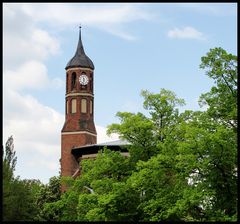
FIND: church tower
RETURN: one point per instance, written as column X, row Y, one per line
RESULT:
column 78, row 129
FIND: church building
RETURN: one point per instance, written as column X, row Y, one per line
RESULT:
column 78, row 135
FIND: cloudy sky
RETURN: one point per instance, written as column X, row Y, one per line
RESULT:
column 133, row 47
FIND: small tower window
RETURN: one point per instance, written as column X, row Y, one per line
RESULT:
column 73, row 84
column 67, row 88
column 74, row 106
column 83, row 106
column 67, row 108
column 91, row 81
column 91, row 107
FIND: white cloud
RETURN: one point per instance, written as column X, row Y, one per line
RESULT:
column 108, row 17
column 103, row 137
column 22, row 40
column 17, row 49
column 186, row 33
column 66, row 14
column 30, row 75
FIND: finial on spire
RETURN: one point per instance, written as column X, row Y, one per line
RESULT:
column 80, row 31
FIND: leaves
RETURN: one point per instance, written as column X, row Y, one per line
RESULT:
column 222, row 99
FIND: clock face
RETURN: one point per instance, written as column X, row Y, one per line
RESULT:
column 83, row 79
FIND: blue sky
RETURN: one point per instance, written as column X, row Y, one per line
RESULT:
column 133, row 47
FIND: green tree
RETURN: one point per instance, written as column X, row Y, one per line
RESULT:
column 138, row 130
column 147, row 134
column 19, row 196
column 207, row 156
column 163, row 110
column 48, row 193
column 9, row 163
column 222, row 99
column 100, row 193
column 9, row 159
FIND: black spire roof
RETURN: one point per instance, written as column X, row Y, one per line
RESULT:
column 80, row 59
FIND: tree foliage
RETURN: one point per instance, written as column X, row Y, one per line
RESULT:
column 222, row 99
column 19, row 196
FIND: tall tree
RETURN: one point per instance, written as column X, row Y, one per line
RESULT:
column 9, row 159
column 9, row 163
column 47, row 194
column 163, row 110
column 222, row 99
column 147, row 134
column 19, row 196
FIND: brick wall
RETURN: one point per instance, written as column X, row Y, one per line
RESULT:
column 69, row 163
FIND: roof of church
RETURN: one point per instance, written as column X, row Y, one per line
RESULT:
column 117, row 142
column 93, row 148
column 80, row 59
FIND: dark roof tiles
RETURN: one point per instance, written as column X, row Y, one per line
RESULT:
column 80, row 59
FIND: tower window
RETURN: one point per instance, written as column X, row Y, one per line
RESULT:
column 83, row 106
column 67, row 108
column 74, row 106
column 91, row 81
column 67, row 88
column 73, row 84
column 91, row 106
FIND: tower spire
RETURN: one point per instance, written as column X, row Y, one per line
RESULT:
column 80, row 59
column 80, row 49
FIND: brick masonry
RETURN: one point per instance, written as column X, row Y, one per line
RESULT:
column 69, row 164
column 78, row 129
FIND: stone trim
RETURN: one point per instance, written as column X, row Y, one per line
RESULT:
column 79, row 94
column 77, row 132
column 80, row 68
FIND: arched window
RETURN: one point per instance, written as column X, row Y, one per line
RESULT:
column 91, row 81
column 67, row 88
column 73, row 106
column 83, row 106
column 73, row 83
column 91, row 107
column 67, row 107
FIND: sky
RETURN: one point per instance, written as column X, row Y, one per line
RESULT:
column 134, row 47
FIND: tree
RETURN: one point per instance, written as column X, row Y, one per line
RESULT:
column 222, row 99
column 147, row 134
column 100, row 193
column 9, row 159
column 163, row 110
column 207, row 156
column 48, row 194
column 137, row 129
column 9, row 163
column 18, row 195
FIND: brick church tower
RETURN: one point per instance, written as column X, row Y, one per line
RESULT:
column 78, row 129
